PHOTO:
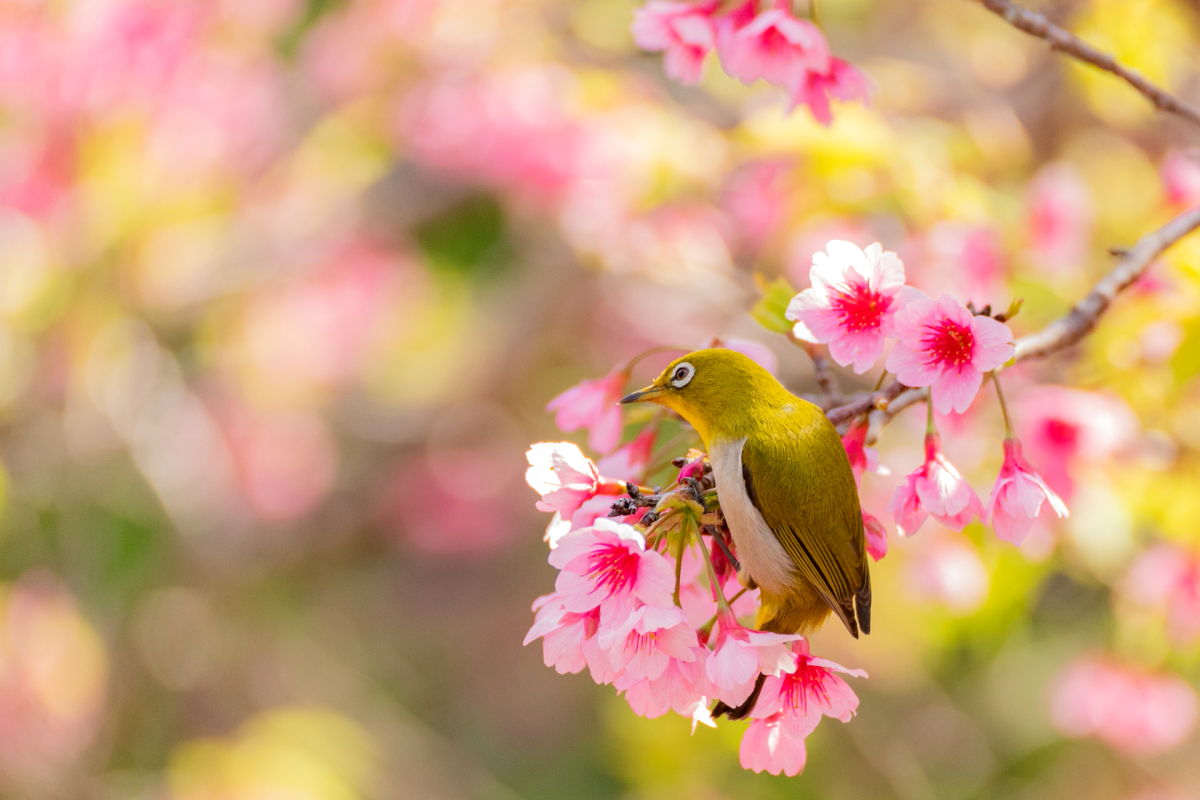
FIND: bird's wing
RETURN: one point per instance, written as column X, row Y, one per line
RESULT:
column 810, row 503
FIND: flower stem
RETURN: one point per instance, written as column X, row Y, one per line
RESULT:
column 930, row 427
column 679, row 569
column 879, row 382
column 1008, row 431
column 722, row 603
column 706, row 627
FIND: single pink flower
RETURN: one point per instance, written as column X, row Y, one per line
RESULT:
column 592, row 404
column 629, row 461
column 773, row 45
column 1018, row 496
column 682, row 687
column 1060, row 217
column 568, row 482
column 939, row 344
column 1181, row 177
column 642, row 645
column 685, row 31
column 852, row 302
column 936, row 488
column 1166, row 578
column 876, row 536
column 767, row 746
column 740, row 654
column 569, row 640
column 807, row 693
column 1139, row 712
column 607, row 566
column 862, row 458
column 841, row 81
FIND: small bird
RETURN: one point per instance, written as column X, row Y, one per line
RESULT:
column 785, row 487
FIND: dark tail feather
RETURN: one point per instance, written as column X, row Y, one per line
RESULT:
column 862, row 603
column 720, row 709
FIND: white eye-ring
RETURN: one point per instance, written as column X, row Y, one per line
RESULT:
column 682, row 374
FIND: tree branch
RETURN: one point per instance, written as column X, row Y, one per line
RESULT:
column 1062, row 332
column 1036, row 24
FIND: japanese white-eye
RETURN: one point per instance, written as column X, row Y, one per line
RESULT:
column 784, row 484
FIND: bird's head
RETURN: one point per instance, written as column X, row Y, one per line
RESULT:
column 716, row 390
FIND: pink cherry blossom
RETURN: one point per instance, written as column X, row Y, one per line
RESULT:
column 841, row 81
column 568, row 482
column 1166, row 578
column 685, row 31
column 643, row 644
column 1018, row 496
column 740, row 654
column 942, row 346
column 1181, row 178
column 773, row 45
column 569, row 640
column 1059, row 427
column 629, row 461
column 852, row 302
column 607, row 566
column 862, row 458
column 1141, row 713
column 592, row 404
column 1060, row 217
column 876, row 536
column 767, row 746
column 936, row 488
column 682, row 687
column 807, row 693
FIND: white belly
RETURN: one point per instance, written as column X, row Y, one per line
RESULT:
column 760, row 553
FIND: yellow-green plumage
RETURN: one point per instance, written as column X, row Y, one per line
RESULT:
column 809, row 558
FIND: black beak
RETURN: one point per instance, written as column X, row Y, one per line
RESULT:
column 646, row 393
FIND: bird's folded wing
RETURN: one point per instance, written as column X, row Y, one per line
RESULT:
column 811, row 505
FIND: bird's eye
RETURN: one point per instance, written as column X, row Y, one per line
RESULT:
column 683, row 373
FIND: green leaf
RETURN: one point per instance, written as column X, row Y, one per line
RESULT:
column 772, row 305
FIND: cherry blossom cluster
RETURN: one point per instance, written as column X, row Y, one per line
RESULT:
column 859, row 303
column 647, row 598
column 769, row 44
column 640, row 601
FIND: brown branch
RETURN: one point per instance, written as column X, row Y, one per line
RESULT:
column 1059, row 334
column 1036, row 24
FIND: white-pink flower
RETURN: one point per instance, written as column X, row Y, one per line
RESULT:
column 592, row 404
column 768, row 746
column 682, row 687
column 939, row 344
column 741, row 654
column 569, row 640
column 607, row 566
column 842, row 81
column 567, row 481
column 642, row 645
column 685, row 32
column 852, row 302
column 1018, row 496
column 935, row 488
column 773, row 45
column 807, row 693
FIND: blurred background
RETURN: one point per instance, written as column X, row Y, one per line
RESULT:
column 285, row 286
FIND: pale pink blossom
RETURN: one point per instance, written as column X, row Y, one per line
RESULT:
column 876, row 536
column 1060, row 427
column 939, row 344
column 1181, row 177
column 1139, row 712
column 1060, row 217
column 685, row 32
column 1018, row 496
column 567, row 481
column 643, row 644
column 965, row 260
column 852, row 302
column 592, row 404
column 629, row 461
column 682, row 687
column 773, row 45
column 1166, row 578
column 862, row 458
column 607, row 566
column 757, row 198
column 740, row 654
column 767, row 746
column 935, row 488
column 841, row 81
column 810, row 691
column 569, row 640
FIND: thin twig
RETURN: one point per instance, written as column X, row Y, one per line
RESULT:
column 1036, row 24
column 1059, row 334
column 822, row 372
